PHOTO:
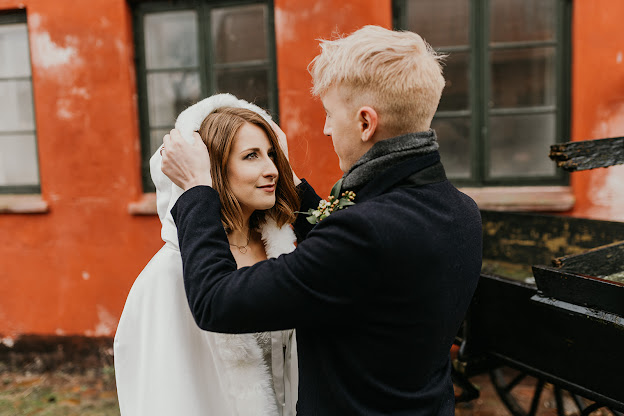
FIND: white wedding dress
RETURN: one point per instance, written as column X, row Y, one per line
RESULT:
column 164, row 364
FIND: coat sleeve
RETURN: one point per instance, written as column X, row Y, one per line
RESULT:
column 317, row 284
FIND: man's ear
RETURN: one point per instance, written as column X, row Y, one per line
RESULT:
column 367, row 121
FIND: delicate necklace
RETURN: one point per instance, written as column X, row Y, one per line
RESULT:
column 243, row 249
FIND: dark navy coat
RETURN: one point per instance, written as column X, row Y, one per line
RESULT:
column 376, row 291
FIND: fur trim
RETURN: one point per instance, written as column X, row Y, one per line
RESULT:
column 277, row 240
column 190, row 119
column 247, row 376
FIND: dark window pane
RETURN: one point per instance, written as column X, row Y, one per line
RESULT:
column 519, row 145
column 454, row 138
column 14, row 52
column 239, row 33
column 18, row 160
column 523, row 77
column 522, row 20
column 456, row 91
column 156, row 138
column 170, row 93
column 171, row 40
column 16, row 106
column 440, row 22
column 248, row 84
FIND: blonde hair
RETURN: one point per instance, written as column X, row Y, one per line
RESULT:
column 218, row 131
column 395, row 72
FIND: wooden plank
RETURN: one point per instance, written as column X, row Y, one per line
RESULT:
column 532, row 238
column 599, row 262
column 588, row 154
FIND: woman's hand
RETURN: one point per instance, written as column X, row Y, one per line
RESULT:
column 283, row 142
column 186, row 164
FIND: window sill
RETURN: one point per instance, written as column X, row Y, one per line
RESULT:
column 522, row 198
column 23, row 204
column 145, row 206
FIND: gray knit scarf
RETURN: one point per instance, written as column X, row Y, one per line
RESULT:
column 387, row 153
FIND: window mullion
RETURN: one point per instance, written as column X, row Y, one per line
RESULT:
column 479, row 71
column 208, row 53
column 205, row 45
column 139, row 35
column 563, row 64
column 272, row 64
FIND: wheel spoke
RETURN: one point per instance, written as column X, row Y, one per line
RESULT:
column 590, row 409
column 515, row 382
column 559, row 401
column 536, row 397
column 577, row 402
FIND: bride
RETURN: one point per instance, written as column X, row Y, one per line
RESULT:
column 165, row 364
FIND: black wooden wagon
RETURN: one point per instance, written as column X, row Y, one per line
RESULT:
column 550, row 304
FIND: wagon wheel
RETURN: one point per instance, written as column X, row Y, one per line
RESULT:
column 525, row 395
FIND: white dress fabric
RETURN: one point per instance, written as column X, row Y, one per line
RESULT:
column 164, row 363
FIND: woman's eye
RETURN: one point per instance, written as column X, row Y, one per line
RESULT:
column 273, row 154
column 251, row 155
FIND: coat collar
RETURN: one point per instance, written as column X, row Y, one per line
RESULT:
column 396, row 174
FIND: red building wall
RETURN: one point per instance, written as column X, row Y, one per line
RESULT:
column 68, row 270
column 598, row 102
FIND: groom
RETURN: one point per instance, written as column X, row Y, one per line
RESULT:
column 377, row 290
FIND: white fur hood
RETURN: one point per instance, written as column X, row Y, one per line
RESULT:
column 189, row 121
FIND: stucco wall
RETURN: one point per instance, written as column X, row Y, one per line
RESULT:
column 68, row 271
column 298, row 25
column 598, row 102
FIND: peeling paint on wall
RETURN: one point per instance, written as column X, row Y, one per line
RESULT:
column 107, row 322
column 287, row 21
column 8, row 341
column 608, row 193
column 63, row 109
column 605, row 186
column 80, row 92
column 47, row 54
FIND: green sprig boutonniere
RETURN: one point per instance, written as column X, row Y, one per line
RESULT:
column 334, row 202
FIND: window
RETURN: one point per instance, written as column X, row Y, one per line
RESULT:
column 188, row 50
column 19, row 169
column 507, row 91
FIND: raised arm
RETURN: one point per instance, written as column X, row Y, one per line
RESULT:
column 317, row 284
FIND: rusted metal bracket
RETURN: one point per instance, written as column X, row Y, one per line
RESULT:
column 588, row 154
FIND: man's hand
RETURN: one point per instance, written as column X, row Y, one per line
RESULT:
column 187, row 165
column 283, row 142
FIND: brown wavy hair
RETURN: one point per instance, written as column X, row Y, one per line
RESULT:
column 218, row 131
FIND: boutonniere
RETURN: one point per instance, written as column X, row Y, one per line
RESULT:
column 336, row 201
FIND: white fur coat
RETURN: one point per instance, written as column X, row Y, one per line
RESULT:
column 165, row 364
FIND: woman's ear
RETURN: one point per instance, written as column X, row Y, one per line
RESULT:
column 367, row 122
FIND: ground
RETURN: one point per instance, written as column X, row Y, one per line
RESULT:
column 93, row 393
column 59, row 394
